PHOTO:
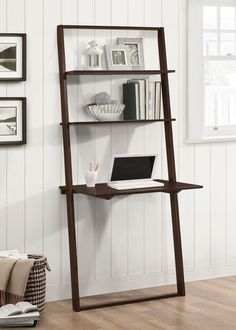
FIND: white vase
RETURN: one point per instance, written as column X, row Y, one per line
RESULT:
column 91, row 178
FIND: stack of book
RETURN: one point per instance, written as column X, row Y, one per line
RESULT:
column 23, row 314
column 142, row 99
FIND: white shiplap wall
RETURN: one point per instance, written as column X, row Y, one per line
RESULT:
column 127, row 242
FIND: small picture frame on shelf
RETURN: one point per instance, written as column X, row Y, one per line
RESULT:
column 12, row 120
column 118, row 57
column 136, row 53
column 12, row 56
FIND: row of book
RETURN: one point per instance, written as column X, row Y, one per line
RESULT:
column 142, row 99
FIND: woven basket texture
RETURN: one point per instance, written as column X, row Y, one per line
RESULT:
column 36, row 286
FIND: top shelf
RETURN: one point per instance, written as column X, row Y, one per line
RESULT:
column 110, row 27
column 116, row 72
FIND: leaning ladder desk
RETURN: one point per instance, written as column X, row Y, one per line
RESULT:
column 171, row 186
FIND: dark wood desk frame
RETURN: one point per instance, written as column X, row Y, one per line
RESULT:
column 172, row 187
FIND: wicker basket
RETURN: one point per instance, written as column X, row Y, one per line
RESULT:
column 36, row 286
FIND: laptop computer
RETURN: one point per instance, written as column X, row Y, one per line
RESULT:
column 132, row 172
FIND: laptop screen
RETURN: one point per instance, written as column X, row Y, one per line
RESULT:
column 132, row 168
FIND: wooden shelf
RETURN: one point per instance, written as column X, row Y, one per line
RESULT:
column 116, row 72
column 144, row 121
column 113, row 27
column 103, row 191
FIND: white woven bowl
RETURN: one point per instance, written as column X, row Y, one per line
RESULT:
column 106, row 112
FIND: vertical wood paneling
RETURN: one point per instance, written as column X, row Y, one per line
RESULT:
column 153, row 144
column 15, row 155
column 119, row 237
column 230, row 201
column 52, row 142
column 186, row 151
column 102, row 144
column 202, row 206
column 69, row 15
column 136, row 208
column 171, row 24
column 3, row 200
column 34, row 151
column 128, row 236
column 3, row 150
column 86, row 206
column 218, row 203
column 135, row 235
column 3, row 13
column 119, row 146
column 186, row 204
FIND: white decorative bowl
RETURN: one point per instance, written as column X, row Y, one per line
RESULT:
column 106, row 112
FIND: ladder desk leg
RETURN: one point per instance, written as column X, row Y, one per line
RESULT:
column 73, row 252
column 171, row 165
column 177, row 244
column 68, row 171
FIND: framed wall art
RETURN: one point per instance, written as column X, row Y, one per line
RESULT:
column 117, row 57
column 13, row 56
column 12, row 120
column 136, row 53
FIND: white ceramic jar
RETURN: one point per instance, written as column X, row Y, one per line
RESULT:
column 91, row 178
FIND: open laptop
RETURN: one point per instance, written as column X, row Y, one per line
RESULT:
column 132, row 172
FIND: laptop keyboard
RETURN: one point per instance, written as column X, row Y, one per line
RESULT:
column 126, row 186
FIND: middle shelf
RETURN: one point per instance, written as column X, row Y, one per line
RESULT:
column 116, row 72
column 144, row 121
column 103, row 191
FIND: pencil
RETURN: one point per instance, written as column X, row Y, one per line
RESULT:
column 96, row 167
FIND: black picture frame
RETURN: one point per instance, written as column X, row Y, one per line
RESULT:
column 22, row 140
column 23, row 55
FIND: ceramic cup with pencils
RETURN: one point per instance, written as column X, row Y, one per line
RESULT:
column 91, row 175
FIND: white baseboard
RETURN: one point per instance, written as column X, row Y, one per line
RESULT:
column 87, row 288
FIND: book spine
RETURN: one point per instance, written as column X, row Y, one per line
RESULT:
column 152, row 100
column 140, row 97
column 137, row 100
column 157, row 100
column 146, row 99
column 129, row 99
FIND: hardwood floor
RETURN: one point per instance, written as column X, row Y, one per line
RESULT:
column 208, row 305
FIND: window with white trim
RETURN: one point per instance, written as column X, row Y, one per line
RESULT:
column 212, row 69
